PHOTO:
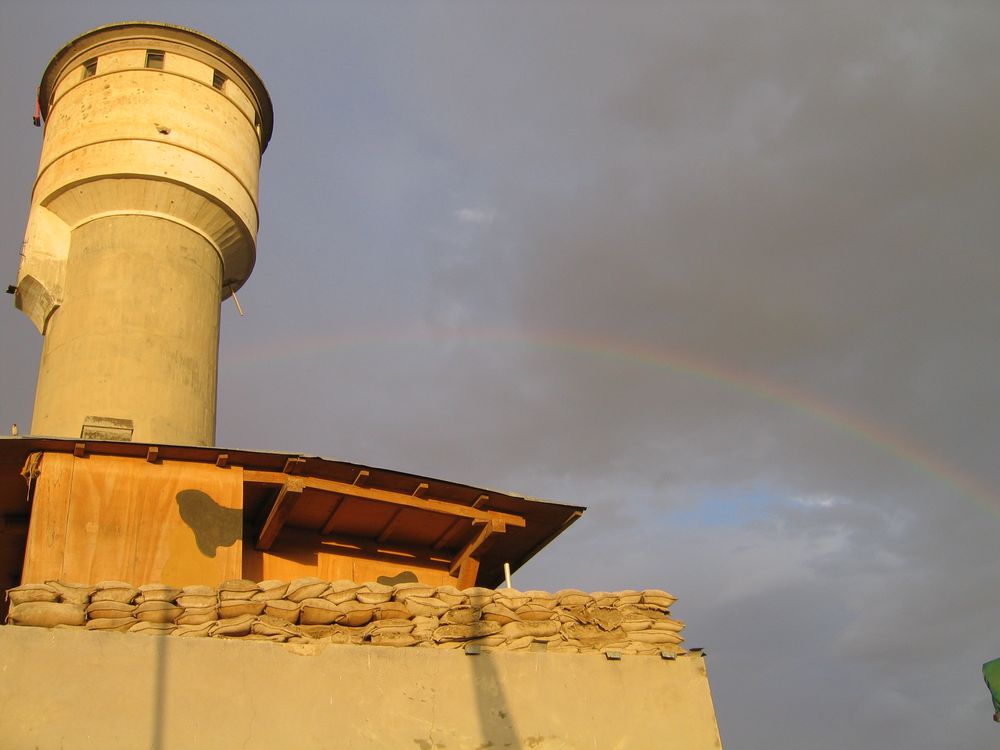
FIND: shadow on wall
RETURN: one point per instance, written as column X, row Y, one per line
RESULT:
column 495, row 718
column 213, row 525
column 159, row 691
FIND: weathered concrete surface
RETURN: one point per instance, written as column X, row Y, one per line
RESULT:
column 137, row 336
column 71, row 689
column 143, row 218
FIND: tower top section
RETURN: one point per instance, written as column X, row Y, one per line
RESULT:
column 166, row 38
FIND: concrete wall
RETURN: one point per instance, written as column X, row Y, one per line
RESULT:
column 77, row 689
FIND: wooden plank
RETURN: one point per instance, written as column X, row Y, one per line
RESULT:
column 46, row 544
column 469, row 550
column 386, row 496
column 121, row 518
column 468, row 573
column 387, row 530
column 284, row 503
column 447, row 534
column 331, row 521
column 420, row 491
column 294, row 465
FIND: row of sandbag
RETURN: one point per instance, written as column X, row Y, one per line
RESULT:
column 409, row 614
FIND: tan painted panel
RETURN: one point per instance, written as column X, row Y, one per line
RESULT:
column 110, row 518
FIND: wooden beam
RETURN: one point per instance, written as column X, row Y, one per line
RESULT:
column 288, row 495
column 468, row 572
column 442, row 540
column 361, row 480
column 294, row 465
column 80, row 450
column 494, row 526
column 328, row 526
column 387, row 496
column 387, row 529
column 420, row 491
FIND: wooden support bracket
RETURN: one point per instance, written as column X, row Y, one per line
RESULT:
column 442, row 540
column 468, row 552
column 331, row 519
column 80, row 450
column 153, row 454
column 420, row 491
column 294, row 466
column 387, row 529
column 284, row 503
column 222, row 460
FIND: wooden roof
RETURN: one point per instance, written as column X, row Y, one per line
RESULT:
column 352, row 504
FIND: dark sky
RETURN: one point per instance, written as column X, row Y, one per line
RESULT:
column 724, row 272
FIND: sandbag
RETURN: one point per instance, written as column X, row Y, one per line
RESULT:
column 72, row 593
column 235, row 627
column 445, row 633
column 114, row 591
column 309, row 587
column 198, row 615
column 229, row 608
column 461, row 614
column 425, row 606
column 374, row 593
column 283, row 610
column 499, row 613
column 98, row 610
column 533, row 629
column 316, row 611
column 46, row 614
column 157, row 611
column 157, row 592
column 153, row 628
column 479, row 596
column 450, row 595
column 120, row 624
column 269, row 590
column 32, row 592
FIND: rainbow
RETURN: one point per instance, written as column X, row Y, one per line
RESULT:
column 684, row 363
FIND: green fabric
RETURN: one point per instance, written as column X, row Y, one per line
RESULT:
column 991, row 673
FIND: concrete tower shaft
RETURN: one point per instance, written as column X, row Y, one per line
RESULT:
column 143, row 219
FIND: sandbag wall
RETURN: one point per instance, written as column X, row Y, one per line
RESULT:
column 406, row 614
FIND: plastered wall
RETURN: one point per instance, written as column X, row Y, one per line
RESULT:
column 77, row 689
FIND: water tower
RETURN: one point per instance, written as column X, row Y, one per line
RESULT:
column 143, row 219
